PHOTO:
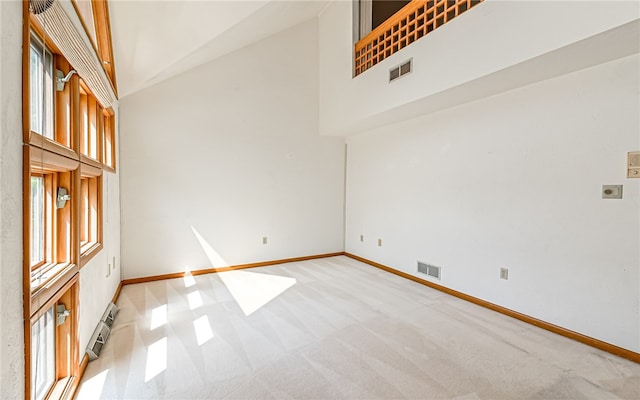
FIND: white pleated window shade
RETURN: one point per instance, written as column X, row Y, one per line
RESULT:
column 59, row 27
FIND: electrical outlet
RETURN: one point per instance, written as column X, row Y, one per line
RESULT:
column 362, row 238
column 114, row 263
column 108, row 270
column 379, row 242
column 611, row 191
column 264, row 240
column 504, row 273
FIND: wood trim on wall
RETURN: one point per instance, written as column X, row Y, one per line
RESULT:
column 103, row 36
column 26, row 268
column 223, row 269
column 26, row 117
column 47, row 144
column 598, row 344
column 117, row 293
column 73, row 386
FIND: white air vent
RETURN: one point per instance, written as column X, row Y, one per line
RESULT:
column 428, row 269
column 100, row 335
column 110, row 314
column 401, row 70
column 98, row 339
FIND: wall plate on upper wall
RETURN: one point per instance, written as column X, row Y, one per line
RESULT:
column 633, row 164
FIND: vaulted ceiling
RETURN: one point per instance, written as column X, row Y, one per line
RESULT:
column 154, row 40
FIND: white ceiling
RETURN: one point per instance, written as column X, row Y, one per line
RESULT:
column 154, row 40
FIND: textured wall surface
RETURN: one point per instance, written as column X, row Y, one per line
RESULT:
column 11, row 329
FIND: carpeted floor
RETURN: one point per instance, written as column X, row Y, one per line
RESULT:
column 335, row 329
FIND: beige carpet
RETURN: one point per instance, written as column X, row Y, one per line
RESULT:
column 335, row 329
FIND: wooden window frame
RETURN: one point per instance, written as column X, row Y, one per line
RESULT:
column 59, row 231
column 55, row 279
column 91, row 127
column 63, row 138
column 109, row 140
column 49, row 123
column 90, row 236
column 67, row 352
column 47, row 217
column 61, row 161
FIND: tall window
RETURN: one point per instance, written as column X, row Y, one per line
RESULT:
column 64, row 154
column 109, row 146
column 89, row 217
column 91, row 120
column 41, row 88
column 43, row 355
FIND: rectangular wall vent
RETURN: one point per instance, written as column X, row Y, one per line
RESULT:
column 98, row 339
column 429, row 269
column 400, row 70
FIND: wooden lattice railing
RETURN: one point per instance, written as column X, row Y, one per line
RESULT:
column 409, row 24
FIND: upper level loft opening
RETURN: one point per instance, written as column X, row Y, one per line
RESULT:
column 382, row 10
column 384, row 27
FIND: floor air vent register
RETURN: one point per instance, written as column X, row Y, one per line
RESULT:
column 101, row 334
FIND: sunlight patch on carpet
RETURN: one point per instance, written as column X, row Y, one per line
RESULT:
column 203, row 330
column 189, row 280
column 252, row 290
column 156, row 359
column 158, row 316
column 95, row 384
column 195, row 300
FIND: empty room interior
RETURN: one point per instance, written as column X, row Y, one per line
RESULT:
column 319, row 199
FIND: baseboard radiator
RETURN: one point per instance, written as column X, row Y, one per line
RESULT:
column 102, row 332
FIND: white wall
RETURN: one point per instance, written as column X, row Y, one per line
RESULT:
column 231, row 150
column 100, row 277
column 11, row 328
column 514, row 181
column 492, row 37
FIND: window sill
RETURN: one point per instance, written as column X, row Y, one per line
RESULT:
column 51, row 145
column 94, row 162
column 61, row 388
column 87, row 251
column 48, row 281
column 43, row 274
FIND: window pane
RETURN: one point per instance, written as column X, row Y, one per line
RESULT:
column 35, row 88
column 84, row 124
column 84, row 215
column 41, row 89
column 43, row 355
column 49, row 90
column 37, row 220
column 93, row 128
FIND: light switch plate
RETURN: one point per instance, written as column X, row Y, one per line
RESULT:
column 611, row 191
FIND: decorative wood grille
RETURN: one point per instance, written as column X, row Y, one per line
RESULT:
column 409, row 24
